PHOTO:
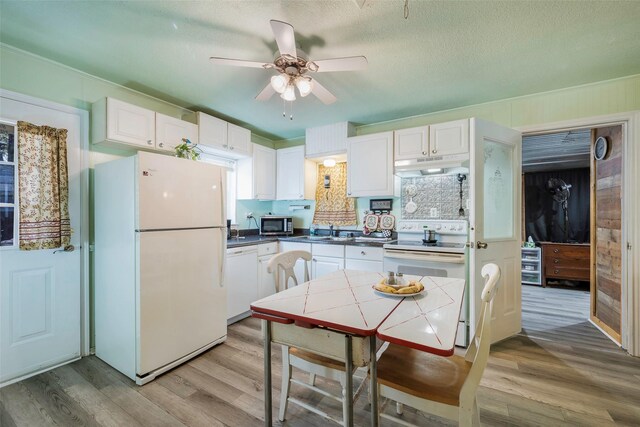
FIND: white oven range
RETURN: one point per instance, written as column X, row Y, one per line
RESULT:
column 447, row 257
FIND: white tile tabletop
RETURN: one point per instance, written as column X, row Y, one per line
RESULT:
column 343, row 301
column 429, row 321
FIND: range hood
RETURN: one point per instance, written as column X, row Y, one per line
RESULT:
column 427, row 166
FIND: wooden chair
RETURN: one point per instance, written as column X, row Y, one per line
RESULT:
column 443, row 386
column 312, row 363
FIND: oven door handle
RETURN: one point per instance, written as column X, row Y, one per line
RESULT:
column 431, row 256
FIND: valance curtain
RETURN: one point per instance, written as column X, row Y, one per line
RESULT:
column 332, row 204
column 43, row 187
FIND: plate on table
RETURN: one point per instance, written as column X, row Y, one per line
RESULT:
column 386, row 294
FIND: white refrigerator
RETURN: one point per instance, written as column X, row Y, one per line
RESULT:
column 160, row 242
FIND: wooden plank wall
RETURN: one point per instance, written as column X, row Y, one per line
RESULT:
column 606, row 234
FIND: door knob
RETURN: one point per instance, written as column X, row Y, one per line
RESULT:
column 481, row 245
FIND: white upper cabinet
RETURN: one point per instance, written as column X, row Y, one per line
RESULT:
column 114, row 121
column 370, row 165
column 170, row 132
column 296, row 176
column 411, row 143
column 227, row 139
column 449, row 138
column 328, row 140
column 256, row 175
column 239, row 139
column 442, row 139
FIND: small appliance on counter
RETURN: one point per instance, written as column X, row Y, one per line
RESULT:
column 273, row 225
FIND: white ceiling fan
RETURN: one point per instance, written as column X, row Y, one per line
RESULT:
column 293, row 66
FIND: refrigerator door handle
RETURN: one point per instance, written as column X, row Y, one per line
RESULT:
column 223, row 214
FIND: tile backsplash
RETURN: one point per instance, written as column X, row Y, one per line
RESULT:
column 435, row 194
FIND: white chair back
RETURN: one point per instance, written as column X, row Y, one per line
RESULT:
column 478, row 351
column 286, row 262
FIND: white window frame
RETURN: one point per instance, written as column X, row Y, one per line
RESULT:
column 15, row 204
column 209, row 156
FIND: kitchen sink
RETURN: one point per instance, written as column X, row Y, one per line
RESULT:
column 342, row 239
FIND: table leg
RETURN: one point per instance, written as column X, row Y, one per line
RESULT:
column 348, row 357
column 266, row 327
column 373, row 381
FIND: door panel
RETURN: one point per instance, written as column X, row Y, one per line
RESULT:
column 179, row 193
column 39, row 290
column 181, row 297
column 606, row 234
column 130, row 123
column 494, row 218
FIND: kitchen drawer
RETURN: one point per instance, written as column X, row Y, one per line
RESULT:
column 567, row 273
column 336, row 251
column 241, row 250
column 566, row 251
column 295, row 246
column 364, row 253
column 268, row 249
column 552, row 261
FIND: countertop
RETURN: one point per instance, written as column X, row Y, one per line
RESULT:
column 259, row 240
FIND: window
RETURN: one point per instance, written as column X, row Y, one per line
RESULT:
column 8, row 189
column 230, row 165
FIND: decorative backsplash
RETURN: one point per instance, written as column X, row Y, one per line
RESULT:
column 441, row 193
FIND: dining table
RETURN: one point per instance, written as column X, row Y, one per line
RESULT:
column 341, row 316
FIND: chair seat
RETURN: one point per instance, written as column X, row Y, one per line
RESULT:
column 423, row 375
column 317, row 359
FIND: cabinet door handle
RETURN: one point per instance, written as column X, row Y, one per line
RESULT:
column 225, row 145
column 556, row 271
column 161, row 145
column 555, row 251
column 300, row 196
column 363, row 253
column 231, row 147
column 434, row 151
column 481, row 245
column 555, row 261
column 349, row 193
column 424, row 153
column 149, row 142
column 314, row 260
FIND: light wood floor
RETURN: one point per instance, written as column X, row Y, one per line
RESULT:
column 559, row 371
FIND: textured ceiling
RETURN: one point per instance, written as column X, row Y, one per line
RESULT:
column 447, row 54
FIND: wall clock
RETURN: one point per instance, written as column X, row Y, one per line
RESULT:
column 601, row 148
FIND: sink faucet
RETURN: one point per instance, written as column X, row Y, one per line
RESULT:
column 330, row 230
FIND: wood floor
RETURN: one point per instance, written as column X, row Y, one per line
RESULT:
column 559, row 371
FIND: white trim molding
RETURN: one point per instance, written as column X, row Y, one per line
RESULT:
column 630, row 122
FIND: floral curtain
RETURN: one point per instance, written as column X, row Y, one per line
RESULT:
column 332, row 204
column 43, row 187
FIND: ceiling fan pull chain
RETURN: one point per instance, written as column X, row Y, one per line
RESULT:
column 284, row 108
column 406, row 9
column 291, row 110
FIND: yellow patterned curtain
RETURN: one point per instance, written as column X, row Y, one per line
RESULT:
column 332, row 204
column 43, row 187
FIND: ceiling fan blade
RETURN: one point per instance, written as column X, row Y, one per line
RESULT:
column 239, row 62
column 322, row 93
column 266, row 93
column 285, row 38
column 351, row 63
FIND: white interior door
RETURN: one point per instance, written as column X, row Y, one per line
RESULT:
column 40, row 291
column 495, row 222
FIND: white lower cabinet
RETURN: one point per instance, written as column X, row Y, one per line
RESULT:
column 326, row 259
column 241, row 279
column 363, row 258
column 266, row 281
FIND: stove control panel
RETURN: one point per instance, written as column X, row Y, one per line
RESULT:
column 440, row 227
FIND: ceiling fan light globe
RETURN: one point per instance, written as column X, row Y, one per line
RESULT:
column 305, row 86
column 289, row 93
column 279, row 83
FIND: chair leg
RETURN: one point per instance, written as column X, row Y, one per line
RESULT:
column 286, row 378
column 345, row 415
column 476, row 414
column 312, row 379
column 399, row 408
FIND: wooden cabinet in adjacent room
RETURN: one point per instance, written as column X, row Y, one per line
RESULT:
column 567, row 261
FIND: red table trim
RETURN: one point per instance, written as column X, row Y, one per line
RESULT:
column 271, row 318
column 410, row 344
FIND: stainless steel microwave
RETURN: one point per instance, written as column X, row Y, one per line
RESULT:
column 272, row 225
